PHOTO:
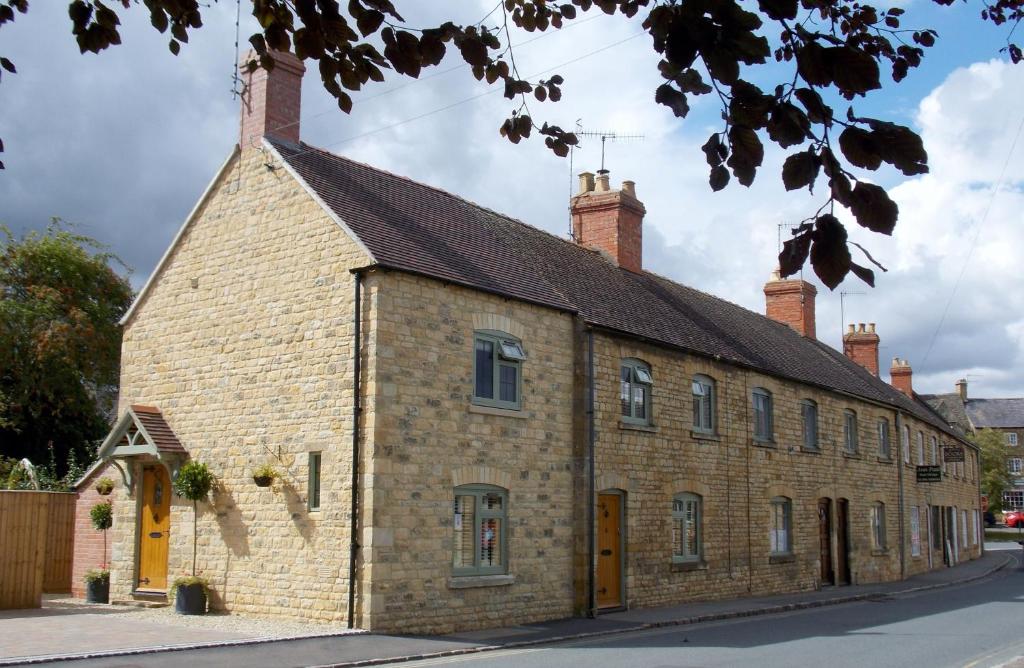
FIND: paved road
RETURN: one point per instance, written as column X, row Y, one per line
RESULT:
column 973, row 625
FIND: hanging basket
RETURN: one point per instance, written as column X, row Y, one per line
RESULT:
column 263, row 480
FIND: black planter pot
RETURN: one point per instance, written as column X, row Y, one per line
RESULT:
column 263, row 480
column 190, row 600
column 97, row 591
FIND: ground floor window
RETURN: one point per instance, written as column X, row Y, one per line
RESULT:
column 915, row 531
column 1013, row 498
column 479, row 522
column 878, row 525
column 780, row 536
column 686, row 528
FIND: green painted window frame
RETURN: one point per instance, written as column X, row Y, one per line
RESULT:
column 507, row 352
column 884, row 447
column 850, row 427
column 313, row 490
column 705, row 395
column 680, row 522
column 639, row 376
column 809, row 424
column 764, row 427
column 781, row 525
column 480, row 514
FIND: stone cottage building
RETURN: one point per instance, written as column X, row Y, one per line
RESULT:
column 1006, row 416
column 476, row 422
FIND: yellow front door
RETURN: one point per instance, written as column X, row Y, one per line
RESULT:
column 154, row 529
column 609, row 551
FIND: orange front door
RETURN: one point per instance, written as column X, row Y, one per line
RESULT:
column 154, row 528
column 609, row 551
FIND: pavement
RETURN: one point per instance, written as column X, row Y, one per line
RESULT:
column 36, row 638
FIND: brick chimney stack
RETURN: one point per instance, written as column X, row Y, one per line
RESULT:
column 610, row 221
column 961, row 389
column 791, row 302
column 861, row 346
column 271, row 101
column 900, row 375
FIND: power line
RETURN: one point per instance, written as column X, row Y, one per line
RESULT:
column 431, row 75
column 492, row 91
column 974, row 242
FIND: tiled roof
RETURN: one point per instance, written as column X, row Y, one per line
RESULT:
column 152, row 420
column 996, row 413
column 416, row 228
column 951, row 408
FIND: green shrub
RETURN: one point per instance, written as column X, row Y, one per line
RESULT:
column 194, row 481
column 102, row 515
column 97, row 575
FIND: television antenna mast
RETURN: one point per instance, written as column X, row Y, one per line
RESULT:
column 605, row 135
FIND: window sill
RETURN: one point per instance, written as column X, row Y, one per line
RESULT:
column 762, row 443
column 704, row 436
column 885, row 460
column 503, row 412
column 630, row 426
column 851, row 455
column 810, row 451
column 884, row 552
column 688, row 566
column 781, row 558
column 473, row 581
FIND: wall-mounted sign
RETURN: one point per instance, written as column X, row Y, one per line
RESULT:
column 952, row 453
column 929, row 474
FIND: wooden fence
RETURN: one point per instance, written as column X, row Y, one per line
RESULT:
column 36, row 546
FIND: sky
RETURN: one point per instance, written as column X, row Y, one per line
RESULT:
column 123, row 143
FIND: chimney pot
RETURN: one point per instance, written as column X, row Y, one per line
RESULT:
column 860, row 344
column 871, row 327
column 609, row 221
column 851, row 328
column 961, row 388
column 901, row 376
column 791, row 302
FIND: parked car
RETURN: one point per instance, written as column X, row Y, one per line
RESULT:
column 1013, row 518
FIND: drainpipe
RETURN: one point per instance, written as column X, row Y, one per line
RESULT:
column 356, row 410
column 591, row 482
column 900, row 511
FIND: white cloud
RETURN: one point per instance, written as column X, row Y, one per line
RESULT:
column 126, row 141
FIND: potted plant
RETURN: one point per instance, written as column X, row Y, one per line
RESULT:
column 263, row 475
column 104, row 486
column 102, row 516
column 97, row 585
column 194, row 482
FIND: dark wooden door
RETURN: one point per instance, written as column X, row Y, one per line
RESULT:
column 828, row 574
column 154, row 528
column 609, row 551
column 842, row 542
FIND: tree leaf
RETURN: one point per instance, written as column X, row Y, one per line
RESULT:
column 830, row 256
column 672, row 99
column 794, row 254
column 779, row 9
column 812, row 65
column 788, row 125
column 8, row 65
column 853, row 70
column 873, row 208
column 800, row 170
column 817, row 110
column 860, row 148
column 746, row 154
column 719, row 177
column 863, row 273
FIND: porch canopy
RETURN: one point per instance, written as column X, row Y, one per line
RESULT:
column 142, row 432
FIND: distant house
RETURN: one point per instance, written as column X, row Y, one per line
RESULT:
column 1003, row 415
column 478, row 423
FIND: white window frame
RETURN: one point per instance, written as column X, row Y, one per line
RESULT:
column 780, row 532
column 905, row 442
column 1011, row 439
column 683, row 516
column 878, row 538
column 1013, row 464
column 920, row 447
column 935, row 450
column 915, row 531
